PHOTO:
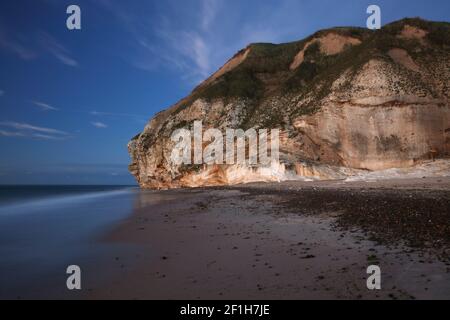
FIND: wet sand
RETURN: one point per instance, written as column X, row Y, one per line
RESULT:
column 292, row 240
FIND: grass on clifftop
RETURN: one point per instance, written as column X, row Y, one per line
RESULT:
column 265, row 72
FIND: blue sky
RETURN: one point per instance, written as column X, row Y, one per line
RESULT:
column 71, row 100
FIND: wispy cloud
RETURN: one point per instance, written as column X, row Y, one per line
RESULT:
column 185, row 50
column 17, row 48
column 35, row 45
column 196, row 40
column 26, row 126
column 99, row 125
column 48, row 137
column 16, row 45
column 2, row 93
column 55, row 48
column 5, row 133
column 32, row 131
column 193, row 46
column 44, row 106
column 162, row 42
column 209, row 12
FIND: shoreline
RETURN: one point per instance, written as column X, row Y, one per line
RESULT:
column 290, row 240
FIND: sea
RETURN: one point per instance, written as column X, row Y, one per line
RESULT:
column 46, row 229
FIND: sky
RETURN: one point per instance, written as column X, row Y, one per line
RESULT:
column 70, row 100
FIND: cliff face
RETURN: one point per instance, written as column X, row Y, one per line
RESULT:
column 345, row 100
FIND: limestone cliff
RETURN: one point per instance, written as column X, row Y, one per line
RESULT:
column 345, row 100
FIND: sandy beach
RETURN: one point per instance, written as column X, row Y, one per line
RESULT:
column 291, row 240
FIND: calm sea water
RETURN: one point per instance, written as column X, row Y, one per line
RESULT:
column 43, row 229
